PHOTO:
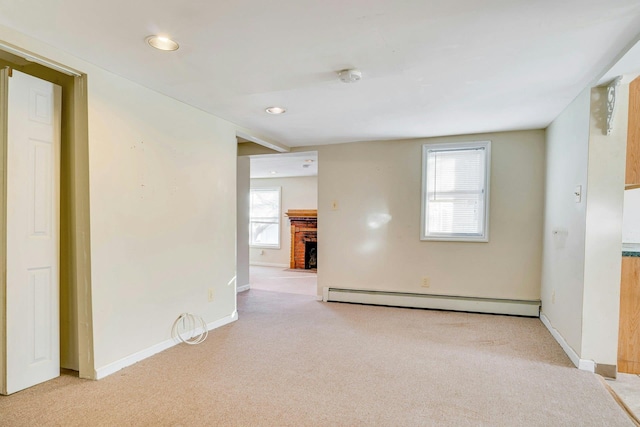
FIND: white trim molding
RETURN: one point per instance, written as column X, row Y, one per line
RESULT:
column 32, row 57
column 530, row 308
column 243, row 288
column 582, row 364
column 148, row 352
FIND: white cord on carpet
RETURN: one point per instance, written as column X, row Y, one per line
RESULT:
column 189, row 325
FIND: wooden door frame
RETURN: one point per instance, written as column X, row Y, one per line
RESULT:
column 4, row 89
column 79, row 226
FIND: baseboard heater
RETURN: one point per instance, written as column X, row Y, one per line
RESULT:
column 530, row 308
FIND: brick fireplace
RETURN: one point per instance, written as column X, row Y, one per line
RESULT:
column 304, row 238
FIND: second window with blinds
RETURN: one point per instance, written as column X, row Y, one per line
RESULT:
column 455, row 191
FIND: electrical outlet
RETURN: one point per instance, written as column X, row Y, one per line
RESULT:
column 211, row 294
column 426, row 282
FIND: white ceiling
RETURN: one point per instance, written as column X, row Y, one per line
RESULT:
column 628, row 66
column 429, row 67
column 284, row 165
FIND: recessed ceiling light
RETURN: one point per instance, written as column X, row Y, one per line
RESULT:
column 273, row 172
column 162, row 43
column 275, row 110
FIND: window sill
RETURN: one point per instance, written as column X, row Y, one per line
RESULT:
column 456, row 239
column 265, row 246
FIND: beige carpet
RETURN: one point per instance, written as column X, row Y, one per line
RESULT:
column 303, row 282
column 294, row 361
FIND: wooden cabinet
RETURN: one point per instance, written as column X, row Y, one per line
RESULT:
column 632, row 176
column 629, row 332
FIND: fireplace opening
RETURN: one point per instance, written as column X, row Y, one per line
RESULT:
column 310, row 255
column 304, row 231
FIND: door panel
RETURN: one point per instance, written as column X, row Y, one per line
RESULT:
column 33, row 187
column 39, row 302
column 40, row 189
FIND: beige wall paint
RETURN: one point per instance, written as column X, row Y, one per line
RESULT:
column 564, row 228
column 242, row 236
column 163, row 210
column 296, row 193
column 251, row 148
column 163, row 214
column 372, row 240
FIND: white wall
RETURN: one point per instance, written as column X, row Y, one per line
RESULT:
column 603, row 238
column 582, row 241
column 564, row 227
column 163, row 214
column 297, row 193
column 163, row 210
column 631, row 216
column 372, row 240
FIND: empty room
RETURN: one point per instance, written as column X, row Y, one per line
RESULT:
column 412, row 213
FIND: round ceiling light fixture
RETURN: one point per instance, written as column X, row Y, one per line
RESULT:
column 162, row 43
column 351, row 75
column 275, row 110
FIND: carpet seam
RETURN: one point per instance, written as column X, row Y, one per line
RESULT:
column 619, row 401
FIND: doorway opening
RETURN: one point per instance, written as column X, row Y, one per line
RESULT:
column 270, row 186
column 76, row 340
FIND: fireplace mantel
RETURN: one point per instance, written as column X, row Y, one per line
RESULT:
column 302, row 213
column 304, row 229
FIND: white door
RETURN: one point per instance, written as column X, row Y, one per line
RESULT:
column 33, row 194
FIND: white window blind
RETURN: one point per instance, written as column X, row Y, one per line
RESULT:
column 455, row 191
column 264, row 219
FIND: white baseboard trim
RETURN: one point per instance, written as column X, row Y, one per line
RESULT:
column 148, row 352
column 269, row 264
column 582, row 364
column 437, row 302
column 243, row 288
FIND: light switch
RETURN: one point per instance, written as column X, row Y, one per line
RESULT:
column 577, row 193
column 334, row 205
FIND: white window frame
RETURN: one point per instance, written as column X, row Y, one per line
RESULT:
column 279, row 220
column 454, row 237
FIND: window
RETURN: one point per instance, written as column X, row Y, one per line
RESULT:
column 455, row 191
column 264, row 219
